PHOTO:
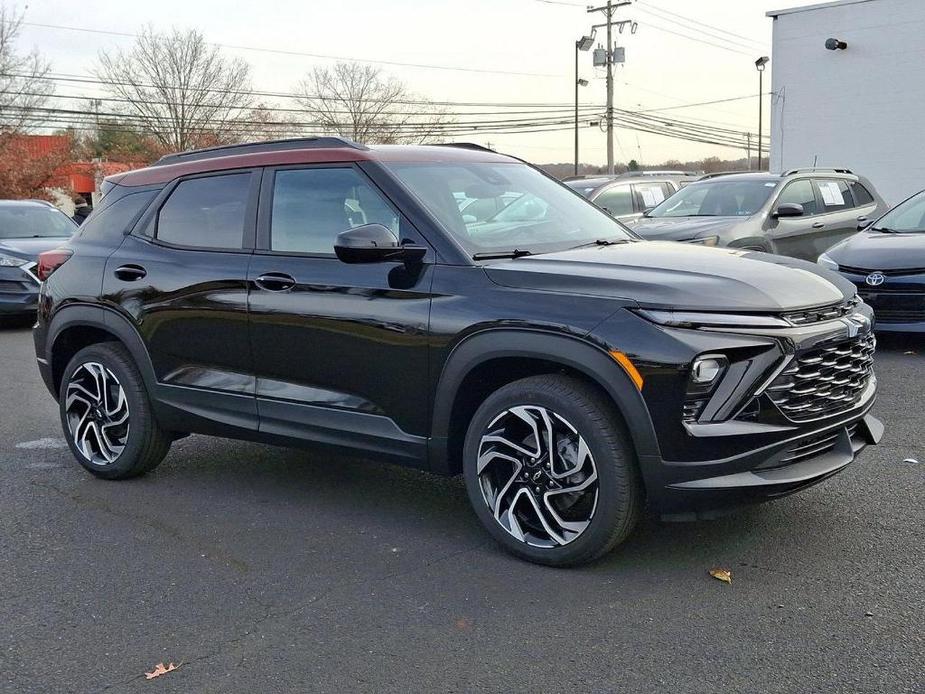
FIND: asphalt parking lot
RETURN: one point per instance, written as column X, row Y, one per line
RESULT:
column 262, row 569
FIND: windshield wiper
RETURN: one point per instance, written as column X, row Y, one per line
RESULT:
column 495, row 255
column 885, row 230
column 600, row 242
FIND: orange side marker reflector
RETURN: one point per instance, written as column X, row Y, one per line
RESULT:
column 628, row 366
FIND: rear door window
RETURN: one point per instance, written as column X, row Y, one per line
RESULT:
column 800, row 192
column 648, row 195
column 617, row 200
column 835, row 195
column 207, row 212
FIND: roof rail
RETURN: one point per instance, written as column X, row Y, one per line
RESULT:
column 717, row 174
column 817, row 169
column 464, row 145
column 254, row 147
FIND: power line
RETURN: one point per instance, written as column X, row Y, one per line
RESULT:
column 706, row 32
column 691, row 20
column 697, row 40
column 81, row 79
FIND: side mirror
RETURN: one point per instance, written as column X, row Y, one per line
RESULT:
column 864, row 222
column 789, row 209
column 645, row 212
column 374, row 243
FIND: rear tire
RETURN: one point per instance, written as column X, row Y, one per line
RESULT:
column 106, row 414
column 572, row 498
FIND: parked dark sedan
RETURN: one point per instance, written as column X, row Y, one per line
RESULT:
column 887, row 263
column 27, row 228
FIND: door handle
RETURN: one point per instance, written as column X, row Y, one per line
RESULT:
column 862, row 218
column 130, row 273
column 275, row 282
column 818, row 225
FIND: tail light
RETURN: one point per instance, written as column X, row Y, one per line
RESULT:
column 49, row 261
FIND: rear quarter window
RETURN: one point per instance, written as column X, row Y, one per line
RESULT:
column 116, row 215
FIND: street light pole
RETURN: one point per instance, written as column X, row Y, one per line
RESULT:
column 759, row 65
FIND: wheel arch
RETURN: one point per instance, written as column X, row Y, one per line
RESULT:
column 485, row 361
column 77, row 326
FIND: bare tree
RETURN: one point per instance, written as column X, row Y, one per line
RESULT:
column 360, row 102
column 23, row 87
column 178, row 89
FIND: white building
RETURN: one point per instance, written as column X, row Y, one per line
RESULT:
column 861, row 106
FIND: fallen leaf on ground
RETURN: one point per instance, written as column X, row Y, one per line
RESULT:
column 724, row 575
column 909, row 352
column 159, row 670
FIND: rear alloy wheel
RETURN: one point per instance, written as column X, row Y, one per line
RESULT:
column 550, row 471
column 97, row 413
column 106, row 414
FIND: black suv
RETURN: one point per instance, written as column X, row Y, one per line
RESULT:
column 321, row 292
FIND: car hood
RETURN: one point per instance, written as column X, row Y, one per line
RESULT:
column 673, row 275
column 29, row 249
column 681, row 228
column 876, row 250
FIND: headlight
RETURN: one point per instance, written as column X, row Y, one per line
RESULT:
column 705, row 241
column 826, row 262
column 694, row 319
column 11, row 261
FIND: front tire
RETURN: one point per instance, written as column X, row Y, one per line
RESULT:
column 106, row 414
column 551, row 472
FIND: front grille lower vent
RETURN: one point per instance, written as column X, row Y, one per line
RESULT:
column 824, row 380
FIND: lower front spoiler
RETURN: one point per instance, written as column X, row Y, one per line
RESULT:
column 715, row 496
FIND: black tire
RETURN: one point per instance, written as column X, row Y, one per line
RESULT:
column 619, row 492
column 145, row 443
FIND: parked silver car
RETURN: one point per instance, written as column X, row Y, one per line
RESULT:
column 627, row 197
column 799, row 213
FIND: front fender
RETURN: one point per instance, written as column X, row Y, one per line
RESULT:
column 581, row 355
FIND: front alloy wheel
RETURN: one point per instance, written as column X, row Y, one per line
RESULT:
column 550, row 470
column 537, row 476
column 97, row 413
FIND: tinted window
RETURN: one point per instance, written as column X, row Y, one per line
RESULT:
column 801, row 193
column 835, row 195
column 117, row 216
column 34, row 221
column 206, row 212
column 312, row 206
column 862, row 196
column 617, row 200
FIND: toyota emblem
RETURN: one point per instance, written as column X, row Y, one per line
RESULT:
column 875, row 279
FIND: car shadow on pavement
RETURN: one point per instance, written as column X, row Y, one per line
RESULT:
column 417, row 508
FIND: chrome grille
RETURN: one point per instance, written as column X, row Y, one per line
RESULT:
column 825, row 380
column 822, row 314
column 886, row 273
column 815, row 446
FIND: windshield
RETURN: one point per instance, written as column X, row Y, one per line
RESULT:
column 907, row 217
column 716, row 198
column 31, row 222
column 535, row 213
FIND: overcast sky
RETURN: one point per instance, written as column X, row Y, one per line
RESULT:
column 663, row 69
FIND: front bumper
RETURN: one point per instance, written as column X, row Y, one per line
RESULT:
column 19, row 290
column 711, row 488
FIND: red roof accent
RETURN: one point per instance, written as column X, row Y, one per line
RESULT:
column 384, row 153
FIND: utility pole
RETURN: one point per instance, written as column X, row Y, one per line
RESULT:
column 609, row 9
